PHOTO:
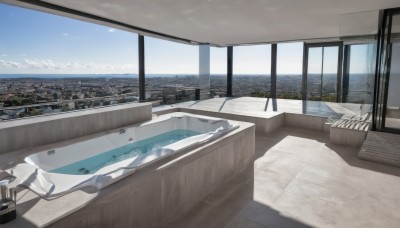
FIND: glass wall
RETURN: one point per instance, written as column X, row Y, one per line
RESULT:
column 392, row 117
column 322, row 72
column 172, row 71
column 289, row 70
column 251, row 71
column 218, row 65
column 51, row 64
column 361, row 73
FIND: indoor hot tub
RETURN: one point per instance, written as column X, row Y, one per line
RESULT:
column 107, row 158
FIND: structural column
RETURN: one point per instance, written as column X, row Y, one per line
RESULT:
column 346, row 65
column 229, row 74
column 273, row 70
column 142, row 84
column 204, row 71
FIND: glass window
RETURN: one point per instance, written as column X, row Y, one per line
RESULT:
column 251, row 71
column 392, row 118
column 171, row 71
column 51, row 64
column 289, row 70
column 361, row 73
column 218, row 71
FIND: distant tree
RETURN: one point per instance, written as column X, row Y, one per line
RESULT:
column 55, row 96
column 27, row 101
column 35, row 112
column 258, row 94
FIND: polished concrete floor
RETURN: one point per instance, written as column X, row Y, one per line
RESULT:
column 300, row 180
column 254, row 105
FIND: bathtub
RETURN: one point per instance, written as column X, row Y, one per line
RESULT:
column 102, row 160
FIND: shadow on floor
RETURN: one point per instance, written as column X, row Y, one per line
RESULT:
column 350, row 155
column 255, row 214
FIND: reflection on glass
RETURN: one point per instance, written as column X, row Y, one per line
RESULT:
column 393, row 102
column 314, row 73
column 51, row 64
column 289, row 70
column 218, row 65
column 361, row 73
column 251, row 71
column 330, row 71
column 171, row 71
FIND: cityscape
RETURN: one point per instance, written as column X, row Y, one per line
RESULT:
column 23, row 96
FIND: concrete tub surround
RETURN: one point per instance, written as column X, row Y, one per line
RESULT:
column 42, row 130
column 155, row 196
column 151, row 196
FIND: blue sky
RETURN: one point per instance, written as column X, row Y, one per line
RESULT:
column 33, row 42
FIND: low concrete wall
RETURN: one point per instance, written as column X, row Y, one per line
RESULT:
column 42, row 130
column 306, row 121
column 347, row 137
column 264, row 124
column 160, row 192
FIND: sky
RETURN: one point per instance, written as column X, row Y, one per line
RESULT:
column 33, row 42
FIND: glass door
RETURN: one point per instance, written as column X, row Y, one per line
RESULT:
column 392, row 115
column 322, row 72
column 387, row 93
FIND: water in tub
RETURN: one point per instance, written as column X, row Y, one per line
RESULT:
column 93, row 164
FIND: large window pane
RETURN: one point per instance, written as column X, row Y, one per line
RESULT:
column 392, row 118
column 314, row 73
column 289, row 70
column 218, row 64
column 361, row 73
column 171, row 71
column 330, row 74
column 51, row 64
column 251, row 71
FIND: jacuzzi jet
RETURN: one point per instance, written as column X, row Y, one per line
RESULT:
column 86, row 171
column 81, row 169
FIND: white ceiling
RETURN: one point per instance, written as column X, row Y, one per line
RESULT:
column 224, row 22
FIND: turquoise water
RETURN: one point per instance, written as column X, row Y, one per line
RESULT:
column 93, row 164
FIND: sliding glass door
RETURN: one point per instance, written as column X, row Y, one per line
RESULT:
column 387, row 95
column 322, row 71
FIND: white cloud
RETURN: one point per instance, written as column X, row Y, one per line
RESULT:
column 111, row 30
column 4, row 55
column 49, row 66
column 65, row 34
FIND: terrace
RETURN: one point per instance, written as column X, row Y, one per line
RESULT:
column 314, row 146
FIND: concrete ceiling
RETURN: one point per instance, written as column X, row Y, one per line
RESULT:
column 226, row 22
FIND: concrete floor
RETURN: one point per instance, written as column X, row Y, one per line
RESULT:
column 300, row 180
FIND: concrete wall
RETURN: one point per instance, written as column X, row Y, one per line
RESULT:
column 264, row 124
column 305, row 121
column 159, row 193
column 42, row 130
column 347, row 137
